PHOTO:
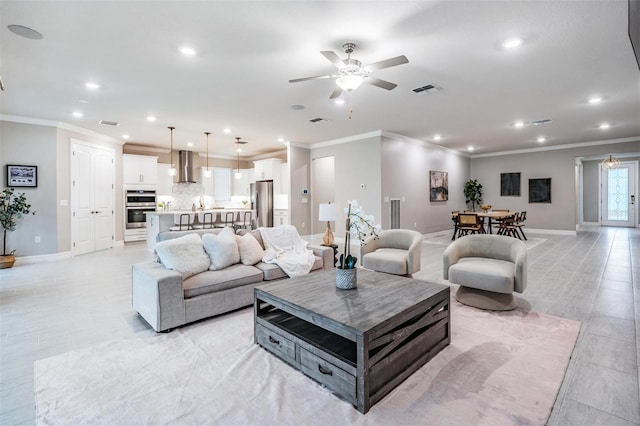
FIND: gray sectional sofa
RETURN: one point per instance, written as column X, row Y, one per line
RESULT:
column 166, row 300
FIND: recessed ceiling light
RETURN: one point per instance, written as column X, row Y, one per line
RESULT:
column 227, row 130
column 297, row 107
column 542, row 139
column 470, row 148
column 188, row 51
column 190, row 144
column 605, row 126
column 77, row 114
column 82, row 101
column 437, row 137
column 595, row 100
column 518, row 124
column 125, row 136
column 339, row 101
column 91, row 85
column 512, row 43
column 26, row 32
column 151, row 118
column 280, row 140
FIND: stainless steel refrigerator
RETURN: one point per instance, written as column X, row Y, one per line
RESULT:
column 262, row 202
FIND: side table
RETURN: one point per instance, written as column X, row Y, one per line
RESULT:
column 335, row 252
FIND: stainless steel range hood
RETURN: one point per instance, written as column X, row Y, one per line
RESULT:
column 185, row 167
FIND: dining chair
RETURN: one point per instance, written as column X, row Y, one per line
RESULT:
column 454, row 219
column 229, row 219
column 468, row 223
column 182, row 221
column 519, row 223
column 205, row 220
column 506, row 226
column 244, row 220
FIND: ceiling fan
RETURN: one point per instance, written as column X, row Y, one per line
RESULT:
column 351, row 73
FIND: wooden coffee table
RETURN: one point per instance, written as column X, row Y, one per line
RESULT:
column 359, row 343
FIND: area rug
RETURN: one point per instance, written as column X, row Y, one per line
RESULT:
column 500, row 369
column 444, row 238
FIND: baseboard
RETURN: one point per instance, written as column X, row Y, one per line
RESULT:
column 42, row 258
column 550, row 231
column 119, row 243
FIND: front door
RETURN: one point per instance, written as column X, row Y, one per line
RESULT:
column 619, row 196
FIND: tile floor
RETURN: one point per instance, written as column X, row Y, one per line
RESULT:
column 54, row 307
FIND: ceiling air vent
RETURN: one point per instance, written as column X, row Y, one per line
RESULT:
column 426, row 89
column 317, row 120
column 109, row 123
column 539, row 122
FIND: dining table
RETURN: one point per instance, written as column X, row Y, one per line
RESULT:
column 488, row 214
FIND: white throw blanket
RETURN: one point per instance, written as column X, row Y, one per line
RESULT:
column 285, row 248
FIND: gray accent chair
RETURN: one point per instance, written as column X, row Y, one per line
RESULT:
column 395, row 251
column 488, row 268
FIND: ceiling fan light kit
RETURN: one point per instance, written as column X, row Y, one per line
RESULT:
column 351, row 73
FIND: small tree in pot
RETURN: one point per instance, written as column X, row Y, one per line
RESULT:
column 12, row 208
column 473, row 192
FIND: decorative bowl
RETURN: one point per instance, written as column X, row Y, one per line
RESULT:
column 485, row 207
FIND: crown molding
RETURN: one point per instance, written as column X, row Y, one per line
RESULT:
column 60, row 125
column 559, row 147
column 346, row 139
column 144, row 148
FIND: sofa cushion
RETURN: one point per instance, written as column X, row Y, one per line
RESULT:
column 272, row 271
column 185, row 255
column 212, row 281
column 250, row 250
column 484, row 274
column 221, row 248
column 389, row 260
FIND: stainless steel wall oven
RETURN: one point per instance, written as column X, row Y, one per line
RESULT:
column 138, row 202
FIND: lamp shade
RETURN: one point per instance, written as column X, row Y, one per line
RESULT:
column 328, row 212
column 349, row 82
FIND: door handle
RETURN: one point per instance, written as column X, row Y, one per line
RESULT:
column 633, row 199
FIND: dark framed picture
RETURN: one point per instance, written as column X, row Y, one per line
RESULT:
column 22, row 176
column 438, row 186
column 510, row 184
column 540, row 190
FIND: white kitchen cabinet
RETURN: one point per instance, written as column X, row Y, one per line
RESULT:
column 280, row 217
column 241, row 186
column 165, row 182
column 139, row 169
column 284, row 178
column 267, row 169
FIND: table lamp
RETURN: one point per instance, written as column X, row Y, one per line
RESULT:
column 328, row 212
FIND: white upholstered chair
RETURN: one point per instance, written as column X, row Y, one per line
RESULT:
column 488, row 268
column 395, row 251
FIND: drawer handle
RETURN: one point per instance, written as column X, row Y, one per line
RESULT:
column 274, row 341
column 324, row 370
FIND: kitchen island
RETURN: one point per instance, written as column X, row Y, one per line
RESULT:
column 161, row 221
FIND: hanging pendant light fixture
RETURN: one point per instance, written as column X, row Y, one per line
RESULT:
column 610, row 163
column 172, row 170
column 207, row 172
column 238, row 174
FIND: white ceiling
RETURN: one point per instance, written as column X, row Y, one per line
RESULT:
column 248, row 50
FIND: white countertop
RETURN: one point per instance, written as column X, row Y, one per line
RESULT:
column 172, row 212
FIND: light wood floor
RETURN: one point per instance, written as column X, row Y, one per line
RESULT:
column 54, row 307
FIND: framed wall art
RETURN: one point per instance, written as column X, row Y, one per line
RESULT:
column 438, row 186
column 22, row 176
column 510, row 184
column 540, row 190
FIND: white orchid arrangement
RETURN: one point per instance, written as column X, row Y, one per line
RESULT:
column 361, row 226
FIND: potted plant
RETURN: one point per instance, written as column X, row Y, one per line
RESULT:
column 473, row 192
column 12, row 208
column 361, row 226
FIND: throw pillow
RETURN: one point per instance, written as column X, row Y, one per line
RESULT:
column 250, row 250
column 221, row 248
column 184, row 254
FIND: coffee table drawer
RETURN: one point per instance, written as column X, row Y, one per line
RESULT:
column 335, row 379
column 279, row 345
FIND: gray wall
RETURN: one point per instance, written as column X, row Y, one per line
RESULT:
column 357, row 162
column 299, row 179
column 559, row 165
column 406, row 164
column 48, row 148
column 32, row 145
column 323, row 189
column 590, row 179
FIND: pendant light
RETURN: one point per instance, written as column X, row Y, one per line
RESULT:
column 172, row 170
column 238, row 174
column 610, row 163
column 207, row 172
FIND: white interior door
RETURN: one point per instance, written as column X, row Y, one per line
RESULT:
column 92, row 191
column 619, row 196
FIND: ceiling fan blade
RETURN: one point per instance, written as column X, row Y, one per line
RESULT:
column 333, row 58
column 336, row 93
column 319, row 77
column 392, row 62
column 381, row 83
